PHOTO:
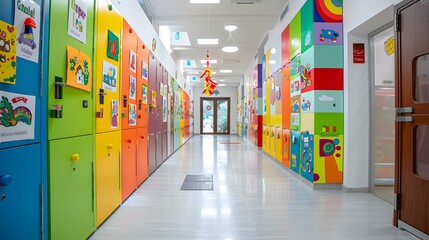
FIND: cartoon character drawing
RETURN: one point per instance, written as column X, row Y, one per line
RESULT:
column 27, row 36
column 329, row 34
column 4, row 45
column 80, row 77
column 306, row 104
column 304, row 74
column 9, row 117
column 295, row 106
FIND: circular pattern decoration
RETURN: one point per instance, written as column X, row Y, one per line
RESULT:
column 209, row 107
column 336, row 141
column 330, row 10
column 328, row 149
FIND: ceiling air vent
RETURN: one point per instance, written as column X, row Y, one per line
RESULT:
column 230, row 61
column 244, row 1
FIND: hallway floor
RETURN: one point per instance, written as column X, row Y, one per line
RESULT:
column 253, row 198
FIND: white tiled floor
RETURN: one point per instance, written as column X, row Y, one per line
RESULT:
column 253, row 198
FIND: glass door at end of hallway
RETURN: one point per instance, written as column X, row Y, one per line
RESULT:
column 215, row 115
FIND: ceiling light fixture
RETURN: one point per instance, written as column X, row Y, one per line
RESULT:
column 221, row 85
column 230, row 27
column 208, row 41
column 225, row 71
column 211, row 61
column 231, row 46
column 204, row 1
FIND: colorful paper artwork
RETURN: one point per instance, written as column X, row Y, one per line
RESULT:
column 133, row 88
column 328, row 33
column 145, row 70
column 144, row 94
column 165, row 90
column 112, row 46
column 328, row 11
column 27, row 22
column 153, row 99
column 7, row 53
column 164, row 109
column 110, row 72
column 114, row 123
column 161, row 89
column 132, row 116
column 78, row 70
column 133, row 61
column 16, row 116
column 77, row 20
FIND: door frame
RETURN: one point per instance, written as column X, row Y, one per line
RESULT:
column 215, row 100
column 371, row 102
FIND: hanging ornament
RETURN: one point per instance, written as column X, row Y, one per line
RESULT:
column 210, row 85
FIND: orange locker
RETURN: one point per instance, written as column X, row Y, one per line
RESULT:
column 142, row 148
column 128, row 162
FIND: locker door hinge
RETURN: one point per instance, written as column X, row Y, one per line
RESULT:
column 398, row 22
column 396, row 201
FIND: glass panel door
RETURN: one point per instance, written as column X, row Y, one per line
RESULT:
column 222, row 116
column 383, row 114
column 208, row 116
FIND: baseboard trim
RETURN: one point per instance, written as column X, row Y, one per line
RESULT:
column 356, row 189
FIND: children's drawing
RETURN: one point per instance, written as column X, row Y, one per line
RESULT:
column 153, row 99
column 110, row 72
column 144, row 94
column 133, row 61
column 132, row 116
column 144, row 70
column 113, row 46
column 77, row 20
column 114, row 123
column 78, row 70
column 133, row 87
column 27, row 22
column 7, row 53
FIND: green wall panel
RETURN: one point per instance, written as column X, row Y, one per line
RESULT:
column 295, row 35
column 328, row 56
column 329, row 124
column 307, row 26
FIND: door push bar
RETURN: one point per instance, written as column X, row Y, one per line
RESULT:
column 404, row 118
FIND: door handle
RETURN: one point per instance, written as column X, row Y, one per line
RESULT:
column 404, row 119
column 404, row 110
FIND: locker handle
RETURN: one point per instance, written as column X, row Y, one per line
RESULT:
column 140, row 104
column 102, row 94
column 129, row 141
column 110, row 146
column 75, row 157
column 125, row 101
column 142, row 137
column 5, row 180
column 59, row 84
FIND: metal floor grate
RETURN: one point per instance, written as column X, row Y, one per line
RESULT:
column 198, row 182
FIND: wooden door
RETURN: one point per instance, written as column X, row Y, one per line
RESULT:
column 412, row 120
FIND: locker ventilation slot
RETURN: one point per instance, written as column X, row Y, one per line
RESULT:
column 198, row 183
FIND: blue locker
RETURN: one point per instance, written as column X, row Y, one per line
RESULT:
column 295, row 146
column 307, row 156
column 23, row 156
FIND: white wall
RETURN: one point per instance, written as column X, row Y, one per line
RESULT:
column 227, row 92
column 361, row 17
column 135, row 16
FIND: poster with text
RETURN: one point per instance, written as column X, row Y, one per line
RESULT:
column 133, row 61
column 7, row 53
column 78, row 70
column 132, row 116
column 27, row 22
column 17, row 116
column 114, row 122
column 133, row 88
column 77, row 20
column 110, row 72
column 144, row 94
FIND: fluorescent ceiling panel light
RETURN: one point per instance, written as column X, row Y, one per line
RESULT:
column 225, row 71
column 230, row 27
column 211, row 61
column 230, row 49
column 213, row 41
column 221, row 85
column 272, row 62
column 222, row 80
column 204, row 1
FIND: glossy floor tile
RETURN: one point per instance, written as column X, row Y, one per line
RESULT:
column 253, row 198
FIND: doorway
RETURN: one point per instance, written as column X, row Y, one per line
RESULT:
column 383, row 113
column 215, row 115
column 412, row 119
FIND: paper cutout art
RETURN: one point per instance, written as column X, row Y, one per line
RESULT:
column 16, row 116
column 144, row 70
column 110, row 72
column 78, row 70
column 114, row 122
column 133, row 88
column 144, row 94
column 328, row 11
column 77, row 20
column 27, row 22
column 132, row 116
column 210, row 85
column 112, row 46
column 133, row 61
column 7, row 53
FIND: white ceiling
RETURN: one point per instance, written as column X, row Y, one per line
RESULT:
column 208, row 21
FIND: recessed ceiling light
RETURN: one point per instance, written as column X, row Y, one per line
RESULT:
column 211, row 61
column 273, row 51
column 272, row 62
column 230, row 49
column 208, row 41
column 230, row 27
column 225, row 71
column 221, row 85
column 222, row 80
column 204, row 1
column 213, row 73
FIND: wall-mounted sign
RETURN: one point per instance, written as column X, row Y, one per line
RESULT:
column 358, row 53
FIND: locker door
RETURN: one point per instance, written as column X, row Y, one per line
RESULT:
column 152, row 152
column 295, row 149
column 26, row 83
column 142, row 155
column 142, row 84
column 107, row 162
column 71, row 188
column 107, row 69
column 158, row 149
column 75, row 116
column 128, row 162
column 20, row 201
column 153, row 63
